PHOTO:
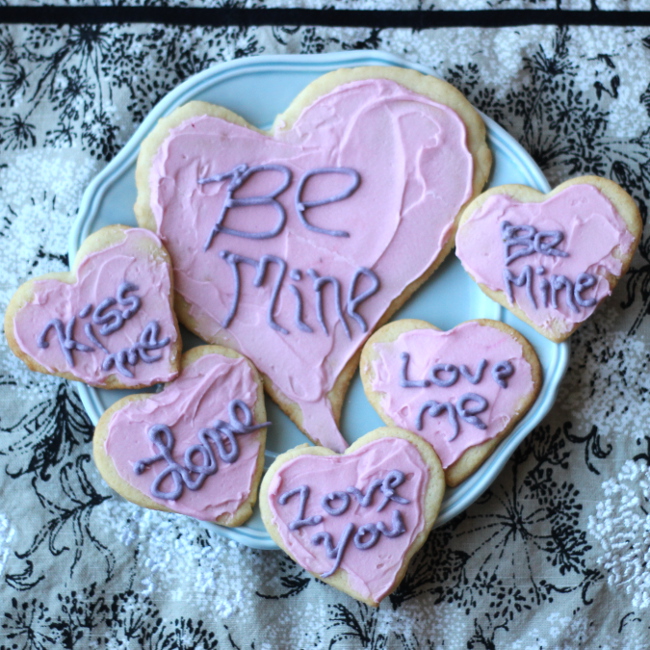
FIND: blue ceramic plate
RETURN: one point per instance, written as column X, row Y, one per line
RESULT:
column 259, row 88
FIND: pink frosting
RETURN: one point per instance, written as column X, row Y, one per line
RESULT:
column 99, row 276
column 467, row 344
column 197, row 399
column 592, row 230
column 370, row 572
column 415, row 174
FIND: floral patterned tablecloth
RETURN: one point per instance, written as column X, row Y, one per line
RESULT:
column 554, row 555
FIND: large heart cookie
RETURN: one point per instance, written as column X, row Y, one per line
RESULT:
column 550, row 259
column 355, row 520
column 109, row 322
column 291, row 246
column 197, row 447
column 462, row 390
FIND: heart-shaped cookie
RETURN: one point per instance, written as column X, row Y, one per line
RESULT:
column 109, row 322
column 355, row 520
column 291, row 246
column 462, row 390
column 197, row 447
column 550, row 259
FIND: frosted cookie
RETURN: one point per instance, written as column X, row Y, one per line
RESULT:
column 291, row 246
column 109, row 322
column 550, row 259
column 197, row 447
column 355, row 520
column 462, row 390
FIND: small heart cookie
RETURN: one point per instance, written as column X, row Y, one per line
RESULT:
column 292, row 245
column 462, row 390
column 550, row 259
column 197, row 447
column 109, row 322
column 355, row 520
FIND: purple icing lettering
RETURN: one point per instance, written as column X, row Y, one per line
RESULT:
column 139, row 351
column 298, row 313
column 548, row 247
column 162, row 436
column 545, row 242
column 397, row 523
column 404, row 382
column 525, row 277
column 132, row 302
column 233, row 259
column 544, row 285
column 512, row 238
column 296, row 276
column 444, row 367
column 393, row 480
column 584, row 281
column 436, row 408
column 259, row 280
column 241, row 422
column 530, row 241
column 300, row 519
column 114, row 319
column 501, row 372
column 333, row 552
column 85, row 311
column 373, row 537
column 477, row 376
column 365, row 500
column 319, row 285
column 559, row 282
column 149, row 341
column 354, row 302
column 90, row 333
column 238, row 176
column 65, row 337
column 366, row 536
column 343, row 497
column 111, row 321
column 469, row 413
column 302, row 206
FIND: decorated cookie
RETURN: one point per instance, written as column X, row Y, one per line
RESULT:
column 355, row 520
column 291, row 246
column 462, row 390
column 109, row 322
column 550, row 259
column 197, row 447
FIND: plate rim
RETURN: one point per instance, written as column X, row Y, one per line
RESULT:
column 461, row 497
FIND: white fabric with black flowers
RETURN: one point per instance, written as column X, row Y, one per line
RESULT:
column 556, row 553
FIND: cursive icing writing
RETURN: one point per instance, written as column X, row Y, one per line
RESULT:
column 337, row 503
column 222, row 436
column 139, row 351
column 109, row 316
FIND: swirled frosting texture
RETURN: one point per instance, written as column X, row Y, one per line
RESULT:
column 484, row 352
column 197, row 399
column 415, row 172
column 370, row 572
column 115, row 319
